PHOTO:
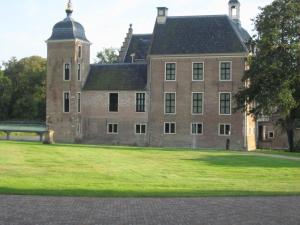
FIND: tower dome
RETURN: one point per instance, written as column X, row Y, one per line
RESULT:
column 68, row 28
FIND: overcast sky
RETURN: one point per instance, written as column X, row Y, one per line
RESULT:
column 26, row 24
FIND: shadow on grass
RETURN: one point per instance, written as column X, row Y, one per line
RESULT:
column 247, row 161
column 145, row 194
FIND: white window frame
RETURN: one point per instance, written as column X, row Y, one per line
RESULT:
column 79, row 107
column 64, row 66
column 166, row 72
column 192, row 101
column 197, row 134
column 109, row 101
column 141, row 124
column 220, row 62
column 113, row 133
column 170, row 127
column 165, row 93
column 64, row 101
column 140, row 92
column 220, row 103
column 79, row 67
column 224, row 135
column 193, row 71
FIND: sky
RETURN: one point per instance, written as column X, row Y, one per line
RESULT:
column 27, row 24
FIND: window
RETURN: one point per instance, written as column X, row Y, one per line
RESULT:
column 66, row 102
column 197, row 128
column 197, row 71
column 170, row 103
column 112, row 128
column 170, row 128
column 140, row 128
column 197, row 103
column 225, row 103
column 78, row 102
column 113, row 102
column 271, row 134
column 170, row 71
column 140, row 102
column 67, row 71
column 79, row 72
column 225, row 130
column 79, row 51
column 225, row 71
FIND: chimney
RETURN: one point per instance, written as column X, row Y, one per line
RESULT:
column 162, row 14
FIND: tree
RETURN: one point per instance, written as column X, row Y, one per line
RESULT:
column 273, row 81
column 28, row 98
column 107, row 56
column 5, row 95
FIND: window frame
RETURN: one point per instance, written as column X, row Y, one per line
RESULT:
column 79, row 69
column 230, row 129
column 145, row 101
column 113, row 124
column 79, row 51
column 220, row 114
column 192, row 103
column 197, row 123
column 220, row 71
column 140, row 124
column 78, row 102
column 64, row 103
column 109, row 93
column 165, row 94
column 64, row 71
column 175, row 130
column 166, row 72
column 203, row 68
column 271, row 132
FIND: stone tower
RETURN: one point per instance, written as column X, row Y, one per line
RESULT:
column 235, row 11
column 68, row 63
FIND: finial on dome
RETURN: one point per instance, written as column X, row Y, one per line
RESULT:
column 69, row 9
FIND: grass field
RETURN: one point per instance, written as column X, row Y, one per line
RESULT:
column 79, row 170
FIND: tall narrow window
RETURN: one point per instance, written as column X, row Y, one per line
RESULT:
column 170, row 128
column 113, row 102
column 140, row 102
column 67, row 71
column 225, row 103
column 79, row 72
column 66, row 102
column 197, row 71
column 225, row 71
column 225, row 130
column 78, row 102
column 171, row 71
column 79, row 51
column 197, row 103
column 170, row 103
column 197, row 128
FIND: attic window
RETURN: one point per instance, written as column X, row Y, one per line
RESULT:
column 233, row 11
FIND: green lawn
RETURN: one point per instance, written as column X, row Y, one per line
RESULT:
column 279, row 152
column 79, row 170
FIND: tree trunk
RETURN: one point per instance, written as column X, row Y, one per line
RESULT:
column 290, row 135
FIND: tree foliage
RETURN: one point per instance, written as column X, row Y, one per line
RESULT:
column 274, row 77
column 22, row 89
column 107, row 56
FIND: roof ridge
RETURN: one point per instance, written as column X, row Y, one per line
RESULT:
column 196, row 16
column 142, row 34
column 119, row 64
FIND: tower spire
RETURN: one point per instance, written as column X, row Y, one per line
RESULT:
column 69, row 9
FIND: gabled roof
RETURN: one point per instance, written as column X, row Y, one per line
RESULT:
column 121, row 76
column 139, row 45
column 197, row 35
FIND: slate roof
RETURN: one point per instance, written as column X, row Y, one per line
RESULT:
column 139, row 44
column 198, row 35
column 68, row 29
column 121, row 76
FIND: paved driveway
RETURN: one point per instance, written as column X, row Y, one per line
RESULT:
column 18, row 210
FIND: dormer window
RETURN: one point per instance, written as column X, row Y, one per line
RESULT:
column 67, row 70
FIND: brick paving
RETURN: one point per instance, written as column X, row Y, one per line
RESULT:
column 27, row 210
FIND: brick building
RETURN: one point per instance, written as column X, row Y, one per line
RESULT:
column 173, row 87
